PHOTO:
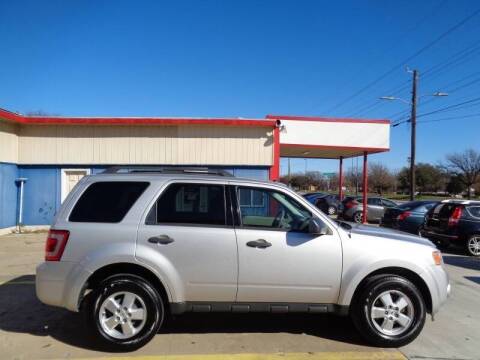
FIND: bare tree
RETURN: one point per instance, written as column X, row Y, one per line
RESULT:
column 466, row 166
column 380, row 178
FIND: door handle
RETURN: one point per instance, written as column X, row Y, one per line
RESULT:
column 260, row 243
column 161, row 239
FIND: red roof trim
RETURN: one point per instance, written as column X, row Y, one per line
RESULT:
column 328, row 119
column 47, row 120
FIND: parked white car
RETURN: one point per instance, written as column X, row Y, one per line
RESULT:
column 129, row 246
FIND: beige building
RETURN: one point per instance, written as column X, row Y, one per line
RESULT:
column 48, row 155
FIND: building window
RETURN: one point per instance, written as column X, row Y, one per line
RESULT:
column 251, row 198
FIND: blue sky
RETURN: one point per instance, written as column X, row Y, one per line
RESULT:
column 244, row 58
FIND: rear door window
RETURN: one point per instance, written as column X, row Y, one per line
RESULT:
column 188, row 203
column 374, row 201
column 107, row 201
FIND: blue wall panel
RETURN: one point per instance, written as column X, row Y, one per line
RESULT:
column 41, row 194
column 8, row 195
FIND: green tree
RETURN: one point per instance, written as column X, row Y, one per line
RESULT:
column 429, row 178
column 455, row 185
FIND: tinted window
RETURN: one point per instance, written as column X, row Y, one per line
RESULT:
column 374, row 201
column 444, row 210
column 474, row 211
column 107, row 202
column 191, row 204
column 278, row 211
column 424, row 208
column 388, row 203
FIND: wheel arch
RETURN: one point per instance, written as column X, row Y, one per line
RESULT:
column 403, row 272
column 126, row 268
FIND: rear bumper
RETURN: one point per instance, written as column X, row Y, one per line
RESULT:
column 56, row 283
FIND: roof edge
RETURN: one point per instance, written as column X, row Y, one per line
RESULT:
column 69, row 120
column 327, row 119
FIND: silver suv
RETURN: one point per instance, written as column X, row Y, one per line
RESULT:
column 130, row 246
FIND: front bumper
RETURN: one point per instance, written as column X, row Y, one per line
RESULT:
column 440, row 288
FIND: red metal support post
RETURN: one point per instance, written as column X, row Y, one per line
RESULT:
column 340, row 179
column 275, row 169
column 365, row 187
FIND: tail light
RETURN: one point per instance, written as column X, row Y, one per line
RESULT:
column 351, row 204
column 456, row 215
column 403, row 215
column 56, row 242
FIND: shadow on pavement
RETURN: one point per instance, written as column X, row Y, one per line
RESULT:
column 22, row 312
column 466, row 262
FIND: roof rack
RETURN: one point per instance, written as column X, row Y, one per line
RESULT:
column 166, row 170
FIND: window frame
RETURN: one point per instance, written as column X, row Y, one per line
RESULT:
column 238, row 214
column 167, row 186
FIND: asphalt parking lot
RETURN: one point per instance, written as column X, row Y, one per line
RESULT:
column 31, row 330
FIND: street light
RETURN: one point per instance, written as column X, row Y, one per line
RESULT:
column 413, row 120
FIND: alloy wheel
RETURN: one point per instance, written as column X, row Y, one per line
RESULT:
column 474, row 245
column 331, row 210
column 392, row 313
column 122, row 315
column 358, row 217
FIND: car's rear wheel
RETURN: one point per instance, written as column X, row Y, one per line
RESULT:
column 473, row 245
column 358, row 217
column 124, row 312
column 389, row 311
column 332, row 210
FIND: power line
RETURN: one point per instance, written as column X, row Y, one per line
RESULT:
column 451, row 118
column 408, row 59
column 458, row 106
column 447, row 89
column 420, row 22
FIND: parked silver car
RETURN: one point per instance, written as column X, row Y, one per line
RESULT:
column 129, row 248
column 353, row 209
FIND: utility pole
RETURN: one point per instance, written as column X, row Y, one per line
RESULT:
column 413, row 121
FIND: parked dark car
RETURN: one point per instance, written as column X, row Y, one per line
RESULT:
column 330, row 204
column 454, row 222
column 408, row 217
column 313, row 196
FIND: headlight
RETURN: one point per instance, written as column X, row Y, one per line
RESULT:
column 437, row 257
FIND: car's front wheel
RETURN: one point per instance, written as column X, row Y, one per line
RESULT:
column 389, row 312
column 124, row 312
column 473, row 245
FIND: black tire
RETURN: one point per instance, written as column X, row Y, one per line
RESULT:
column 357, row 217
column 362, row 308
column 152, row 301
column 471, row 246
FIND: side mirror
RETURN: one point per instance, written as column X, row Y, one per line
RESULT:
column 316, row 227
